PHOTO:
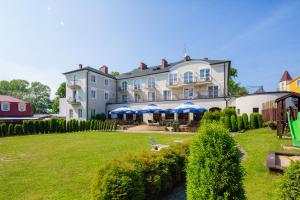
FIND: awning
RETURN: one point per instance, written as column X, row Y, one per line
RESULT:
column 188, row 107
column 122, row 110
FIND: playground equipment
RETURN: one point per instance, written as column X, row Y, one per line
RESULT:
column 294, row 129
column 278, row 161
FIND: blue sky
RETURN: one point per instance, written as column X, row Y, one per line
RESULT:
column 39, row 40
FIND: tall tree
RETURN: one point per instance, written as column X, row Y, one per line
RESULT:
column 235, row 88
column 60, row 93
column 39, row 97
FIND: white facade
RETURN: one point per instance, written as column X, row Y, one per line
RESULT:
column 90, row 91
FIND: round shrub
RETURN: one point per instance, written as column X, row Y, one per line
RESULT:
column 245, row 121
column 119, row 180
column 233, row 123
column 214, row 170
column 240, row 124
column 227, row 123
column 289, row 186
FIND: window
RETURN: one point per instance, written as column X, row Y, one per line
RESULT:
column 188, row 77
column 151, row 96
column 173, row 79
column 213, row 91
column 106, row 95
column 204, row 74
column 256, row 110
column 93, row 79
column 70, row 113
column 238, row 111
column 188, row 93
column 80, row 113
column 124, row 86
column 298, row 83
column 151, row 82
column 106, row 82
column 137, row 84
column 5, row 107
column 137, row 97
column 93, row 113
column 124, row 98
column 93, row 94
column 22, row 107
column 167, row 95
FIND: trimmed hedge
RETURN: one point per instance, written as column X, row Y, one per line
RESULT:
column 253, row 121
column 245, row 121
column 233, row 121
column 55, row 126
column 211, row 173
column 146, row 176
column 227, row 123
column 240, row 124
column 289, row 186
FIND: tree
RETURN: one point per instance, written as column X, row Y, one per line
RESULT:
column 17, row 88
column 60, row 93
column 233, row 87
column 39, row 97
column 115, row 73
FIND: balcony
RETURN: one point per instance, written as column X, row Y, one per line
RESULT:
column 196, row 80
column 122, row 90
column 74, row 84
column 135, row 89
column 74, row 100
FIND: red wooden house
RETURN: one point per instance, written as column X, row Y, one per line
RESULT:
column 13, row 107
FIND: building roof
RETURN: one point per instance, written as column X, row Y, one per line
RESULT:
column 91, row 69
column 286, row 76
column 4, row 98
column 150, row 70
column 157, row 69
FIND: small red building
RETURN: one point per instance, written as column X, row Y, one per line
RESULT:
column 13, row 107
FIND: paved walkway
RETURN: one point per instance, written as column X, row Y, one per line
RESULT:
column 161, row 132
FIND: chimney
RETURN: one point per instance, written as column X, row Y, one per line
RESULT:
column 80, row 66
column 186, row 57
column 104, row 69
column 143, row 66
column 164, row 63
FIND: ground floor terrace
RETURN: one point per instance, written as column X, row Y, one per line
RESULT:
column 169, row 111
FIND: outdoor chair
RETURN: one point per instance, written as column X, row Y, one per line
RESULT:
column 156, row 146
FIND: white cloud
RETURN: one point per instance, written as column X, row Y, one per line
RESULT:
column 62, row 23
column 49, row 8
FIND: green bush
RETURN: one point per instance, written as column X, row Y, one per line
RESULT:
column 233, row 123
column 11, row 129
column 211, row 173
column 118, row 180
column 253, row 121
column 245, row 121
column 229, row 111
column 3, row 129
column 101, row 117
column 18, row 129
column 227, row 123
column 157, row 173
column 289, row 186
column 260, row 120
column 271, row 124
column 240, row 124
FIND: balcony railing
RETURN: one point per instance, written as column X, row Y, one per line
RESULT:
column 74, row 83
column 74, row 100
column 199, row 94
column 195, row 80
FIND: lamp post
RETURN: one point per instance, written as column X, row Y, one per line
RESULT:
column 227, row 99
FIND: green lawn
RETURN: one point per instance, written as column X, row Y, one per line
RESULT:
column 60, row 166
column 259, row 183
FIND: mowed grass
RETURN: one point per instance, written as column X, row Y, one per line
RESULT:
column 61, row 166
column 259, row 182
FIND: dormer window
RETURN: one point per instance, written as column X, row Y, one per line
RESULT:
column 5, row 107
column 22, row 107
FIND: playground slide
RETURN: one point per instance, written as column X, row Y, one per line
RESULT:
column 295, row 129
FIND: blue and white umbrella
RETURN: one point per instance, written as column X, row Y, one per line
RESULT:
column 188, row 107
column 150, row 108
column 122, row 110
